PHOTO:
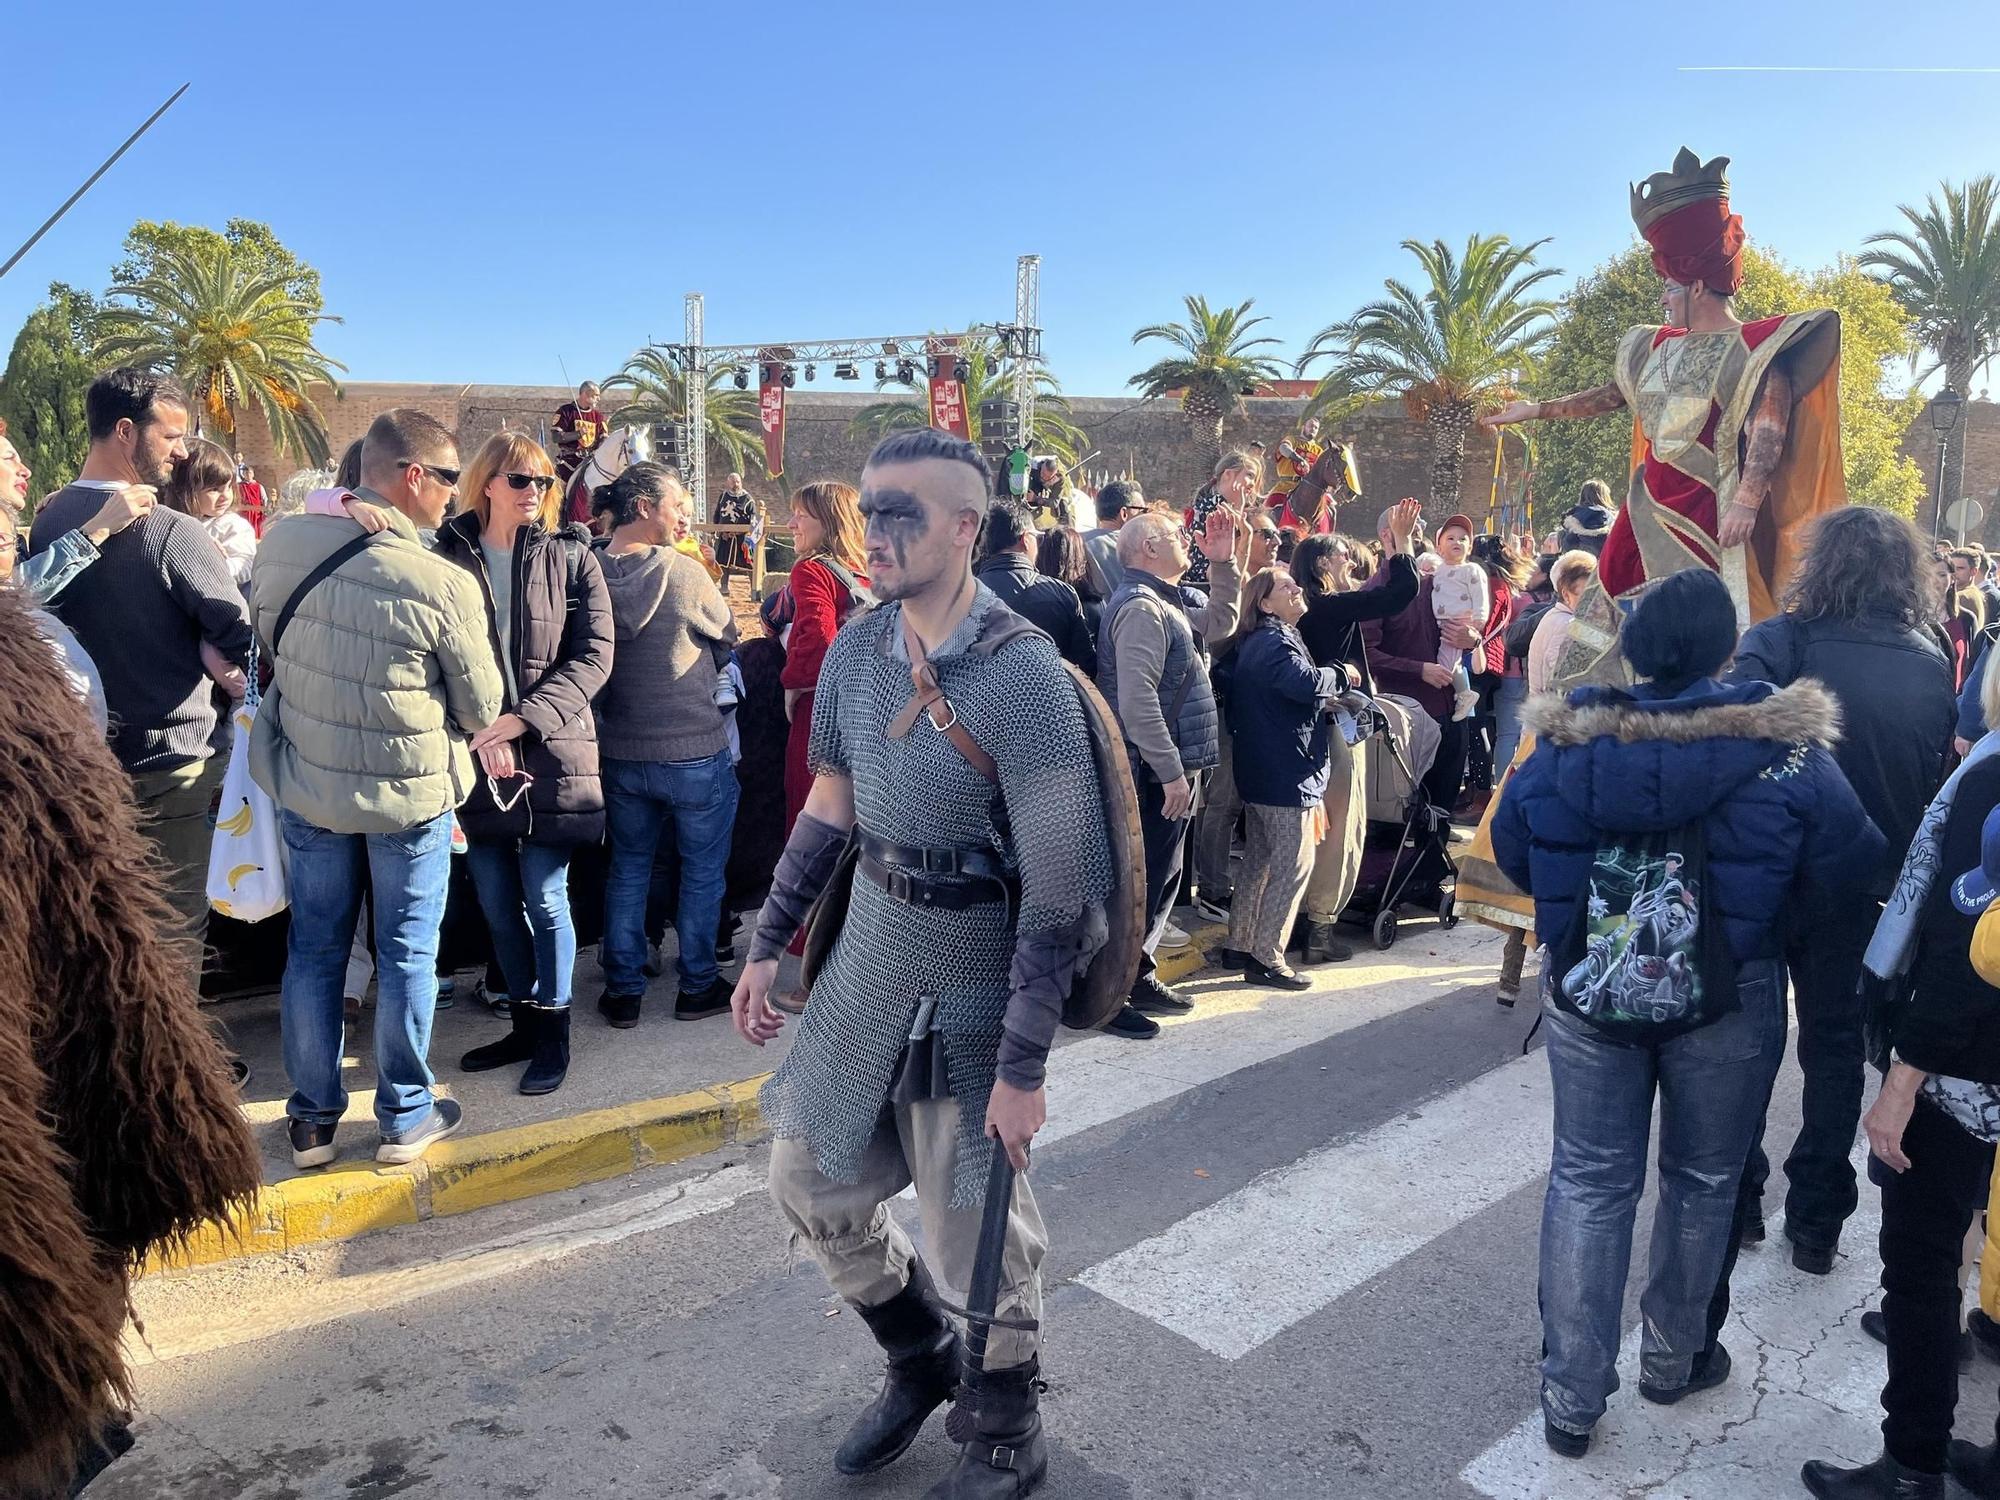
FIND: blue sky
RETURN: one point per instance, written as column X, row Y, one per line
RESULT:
column 834, row 170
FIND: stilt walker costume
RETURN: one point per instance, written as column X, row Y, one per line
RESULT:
column 1734, row 416
column 975, row 886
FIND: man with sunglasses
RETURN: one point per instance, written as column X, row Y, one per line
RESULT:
column 382, row 673
column 1117, row 503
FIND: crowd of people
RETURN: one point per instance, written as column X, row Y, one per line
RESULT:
column 449, row 675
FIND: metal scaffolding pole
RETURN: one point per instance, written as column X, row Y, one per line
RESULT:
column 694, row 381
column 1027, row 297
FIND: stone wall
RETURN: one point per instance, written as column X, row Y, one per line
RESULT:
column 1145, row 438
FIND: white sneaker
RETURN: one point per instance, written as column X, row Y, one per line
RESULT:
column 1173, row 937
column 1464, row 705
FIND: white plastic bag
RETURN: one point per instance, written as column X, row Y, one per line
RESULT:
column 246, row 863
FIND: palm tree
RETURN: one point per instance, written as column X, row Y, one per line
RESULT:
column 1458, row 345
column 987, row 379
column 1214, row 370
column 1944, row 270
column 658, row 393
column 223, row 321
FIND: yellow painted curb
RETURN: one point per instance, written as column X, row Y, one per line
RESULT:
column 465, row 1173
column 1180, row 963
column 478, row 1171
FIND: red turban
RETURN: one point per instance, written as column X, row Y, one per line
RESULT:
column 1701, row 242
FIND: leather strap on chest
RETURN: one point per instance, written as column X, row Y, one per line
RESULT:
column 927, row 699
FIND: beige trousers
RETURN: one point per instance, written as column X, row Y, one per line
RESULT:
column 864, row 1251
column 1277, row 858
column 1336, row 866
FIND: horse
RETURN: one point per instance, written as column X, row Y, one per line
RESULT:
column 622, row 447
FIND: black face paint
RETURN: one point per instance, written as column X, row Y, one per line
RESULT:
column 897, row 518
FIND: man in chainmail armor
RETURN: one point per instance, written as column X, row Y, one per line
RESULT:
column 977, row 895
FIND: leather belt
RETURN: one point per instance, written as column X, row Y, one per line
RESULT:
column 942, row 879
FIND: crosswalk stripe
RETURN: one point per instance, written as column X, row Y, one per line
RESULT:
column 1239, row 1272
column 1805, row 1384
column 1091, row 1082
column 1234, row 1027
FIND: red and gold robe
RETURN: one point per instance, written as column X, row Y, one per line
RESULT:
column 1691, row 396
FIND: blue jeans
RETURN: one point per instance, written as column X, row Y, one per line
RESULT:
column 1713, row 1085
column 1507, row 706
column 698, row 797
column 408, row 873
column 524, row 893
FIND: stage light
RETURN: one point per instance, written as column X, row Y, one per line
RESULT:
column 936, row 367
column 961, row 370
column 845, row 371
column 881, row 370
column 791, row 377
column 905, row 371
column 810, row 368
column 742, row 379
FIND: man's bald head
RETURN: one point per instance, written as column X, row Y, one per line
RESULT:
column 1152, row 543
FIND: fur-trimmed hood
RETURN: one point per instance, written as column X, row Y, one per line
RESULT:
column 1804, row 713
column 1641, row 759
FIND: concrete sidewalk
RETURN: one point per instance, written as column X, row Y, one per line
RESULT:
column 659, row 1093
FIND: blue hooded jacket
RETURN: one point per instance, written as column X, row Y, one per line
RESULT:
column 1751, row 761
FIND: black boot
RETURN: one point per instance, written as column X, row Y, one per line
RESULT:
column 517, row 1046
column 550, row 1063
column 999, row 1420
column 923, row 1373
column 1324, row 944
column 1885, row 1479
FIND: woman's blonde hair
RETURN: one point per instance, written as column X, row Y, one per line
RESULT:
column 1989, row 691
column 1572, row 569
column 510, row 453
column 837, row 508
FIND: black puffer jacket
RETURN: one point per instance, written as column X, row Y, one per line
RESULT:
column 562, row 639
column 1045, row 601
column 1894, row 689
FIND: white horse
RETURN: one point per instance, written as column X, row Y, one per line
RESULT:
column 622, row 447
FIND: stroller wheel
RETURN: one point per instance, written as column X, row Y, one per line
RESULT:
column 1385, row 927
column 1448, row 913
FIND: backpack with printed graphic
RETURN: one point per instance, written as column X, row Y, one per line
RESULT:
column 1645, row 958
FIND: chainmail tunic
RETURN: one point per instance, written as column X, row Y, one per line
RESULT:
column 1022, row 709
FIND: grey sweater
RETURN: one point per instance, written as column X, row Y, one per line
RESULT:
column 141, row 611
column 675, row 632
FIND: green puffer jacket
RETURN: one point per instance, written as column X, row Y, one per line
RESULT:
column 386, row 670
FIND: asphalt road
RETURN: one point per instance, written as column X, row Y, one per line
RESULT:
column 1294, row 1255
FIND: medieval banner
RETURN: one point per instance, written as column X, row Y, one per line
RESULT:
column 948, row 402
column 771, row 415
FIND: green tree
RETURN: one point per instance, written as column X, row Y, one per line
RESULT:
column 1945, row 272
column 655, row 391
column 1446, row 351
column 987, row 379
column 150, row 239
column 41, row 394
column 223, row 318
column 1214, row 370
column 1624, row 293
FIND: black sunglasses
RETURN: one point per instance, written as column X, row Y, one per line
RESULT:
column 541, row 482
column 437, row 471
column 1265, row 530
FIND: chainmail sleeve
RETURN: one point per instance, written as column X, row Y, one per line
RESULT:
column 826, row 748
column 1049, row 789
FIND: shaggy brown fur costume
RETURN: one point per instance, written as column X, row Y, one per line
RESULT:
column 119, row 1128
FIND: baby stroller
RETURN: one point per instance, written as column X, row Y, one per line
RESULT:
column 1406, row 858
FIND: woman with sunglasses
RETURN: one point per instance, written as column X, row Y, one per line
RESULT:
column 549, row 615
